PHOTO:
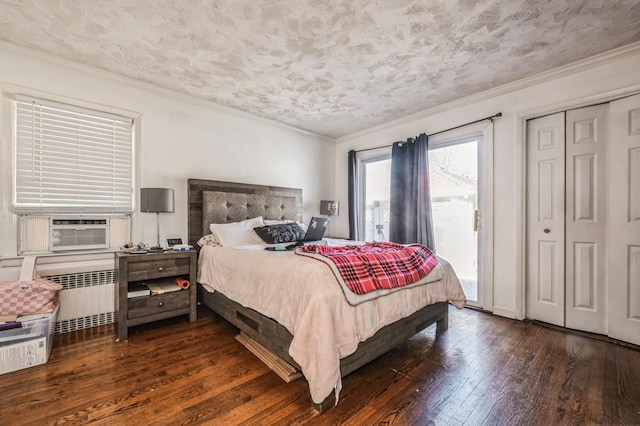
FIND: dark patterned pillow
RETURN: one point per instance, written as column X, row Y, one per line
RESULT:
column 280, row 233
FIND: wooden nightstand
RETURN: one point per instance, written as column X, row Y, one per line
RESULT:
column 154, row 268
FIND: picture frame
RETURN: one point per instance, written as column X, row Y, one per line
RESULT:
column 174, row 241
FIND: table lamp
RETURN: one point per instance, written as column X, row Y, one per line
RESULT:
column 156, row 200
column 329, row 207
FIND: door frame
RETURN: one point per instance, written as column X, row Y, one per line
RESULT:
column 521, row 178
column 485, row 131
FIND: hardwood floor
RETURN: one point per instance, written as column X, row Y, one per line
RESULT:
column 483, row 370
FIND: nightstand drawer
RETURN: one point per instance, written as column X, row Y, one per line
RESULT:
column 150, row 305
column 139, row 271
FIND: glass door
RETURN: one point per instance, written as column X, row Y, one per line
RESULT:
column 453, row 170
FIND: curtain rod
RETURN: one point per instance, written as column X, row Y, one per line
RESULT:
column 492, row 117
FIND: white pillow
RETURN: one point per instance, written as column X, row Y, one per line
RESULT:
column 238, row 233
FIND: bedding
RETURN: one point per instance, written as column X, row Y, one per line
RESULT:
column 304, row 296
column 437, row 273
column 376, row 265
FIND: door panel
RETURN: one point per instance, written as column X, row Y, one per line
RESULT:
column 624, row 220
column 585, row 222
column 584, row 191
column 585, row 255
column 548, row 284
column 545, row 219
column 634, row 184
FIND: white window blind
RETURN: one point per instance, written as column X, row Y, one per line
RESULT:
column 70, row 159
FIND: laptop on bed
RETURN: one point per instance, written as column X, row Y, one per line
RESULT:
column 315, row 230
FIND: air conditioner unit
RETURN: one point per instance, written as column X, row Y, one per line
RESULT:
column 42, row 233
column 79, row 234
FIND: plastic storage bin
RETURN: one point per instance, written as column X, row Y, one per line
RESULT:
column 29, row 345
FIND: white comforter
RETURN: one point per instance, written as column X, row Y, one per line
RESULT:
column 303, row 295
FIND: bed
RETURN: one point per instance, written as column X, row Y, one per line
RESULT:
column 224, row 202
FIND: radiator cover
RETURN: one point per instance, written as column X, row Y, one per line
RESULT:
column 87, row 300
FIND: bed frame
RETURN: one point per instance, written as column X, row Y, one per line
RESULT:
column 220, row 202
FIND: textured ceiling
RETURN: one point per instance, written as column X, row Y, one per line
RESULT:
column 328, row 66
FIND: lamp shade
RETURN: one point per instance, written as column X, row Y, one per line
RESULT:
column 329, row 207
column 156, row 200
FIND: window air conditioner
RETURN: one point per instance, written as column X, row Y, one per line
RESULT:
column 79, row 234
column 39, row 233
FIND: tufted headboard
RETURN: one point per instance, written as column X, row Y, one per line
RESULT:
column 221, row 202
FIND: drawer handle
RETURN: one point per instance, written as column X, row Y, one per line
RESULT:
column 161, row 304
column 160, row 269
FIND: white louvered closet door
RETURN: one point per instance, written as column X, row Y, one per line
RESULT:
column 624, row 220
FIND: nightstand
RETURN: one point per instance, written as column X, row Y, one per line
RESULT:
column 154, row 268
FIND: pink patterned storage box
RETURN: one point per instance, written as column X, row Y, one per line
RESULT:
column 29, row 294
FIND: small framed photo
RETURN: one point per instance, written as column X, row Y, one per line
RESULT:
column 173, row 241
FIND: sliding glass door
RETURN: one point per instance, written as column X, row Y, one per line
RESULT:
column 454, row 181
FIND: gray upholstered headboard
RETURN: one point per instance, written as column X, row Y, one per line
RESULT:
column 221, row 202
column 223, row 207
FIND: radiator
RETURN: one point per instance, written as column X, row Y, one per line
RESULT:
column 87, row 300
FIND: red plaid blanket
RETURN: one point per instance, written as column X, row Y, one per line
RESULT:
column 375, row 265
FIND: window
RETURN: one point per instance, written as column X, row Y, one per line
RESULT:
column 70, row 159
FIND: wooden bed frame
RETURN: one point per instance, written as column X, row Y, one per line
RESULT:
column 246, row 200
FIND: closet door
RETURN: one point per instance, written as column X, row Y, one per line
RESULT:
column 624, row 220
column 586, row 219
column 545, row 299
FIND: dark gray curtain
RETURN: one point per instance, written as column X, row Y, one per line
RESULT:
column 410, row 208
column 353, row 196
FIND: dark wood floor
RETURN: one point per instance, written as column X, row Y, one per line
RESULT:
column 483, row 370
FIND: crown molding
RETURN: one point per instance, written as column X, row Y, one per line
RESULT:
column 28, row 52
column 545, row 76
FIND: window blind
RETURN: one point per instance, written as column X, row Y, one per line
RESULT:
column 70, row 159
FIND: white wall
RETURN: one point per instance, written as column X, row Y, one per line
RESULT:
column 594, row 80
column 181, row 138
